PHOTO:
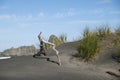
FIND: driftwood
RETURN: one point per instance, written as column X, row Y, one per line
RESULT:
column 42, row 50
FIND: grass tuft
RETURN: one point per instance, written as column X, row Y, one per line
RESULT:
column 119, row 52
column 117, row 30
column 89, row 45
column 103, row 31
column 62, row 38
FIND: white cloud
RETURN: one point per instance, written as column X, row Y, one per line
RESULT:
column 58, row 14
column 15, row 17
column 24, row 25
column 105, row 1
column 28, row 17
column 4, row 17
column 96, row 11
column 66, row 13
column 41, row 14
column 3, row 7
column 72, row 12
column 85, row 22
column 32, row 24
column 115, row 12
column 7, row 16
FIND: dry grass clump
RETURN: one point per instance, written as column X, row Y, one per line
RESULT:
column 89, row 45
column 117, row 30
column 119, row 51
column 62, row 38
column 117, row 40
column 103, row 31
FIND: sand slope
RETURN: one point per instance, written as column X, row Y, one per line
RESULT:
column 29, row 68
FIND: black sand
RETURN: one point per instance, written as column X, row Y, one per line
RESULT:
column 29, row 68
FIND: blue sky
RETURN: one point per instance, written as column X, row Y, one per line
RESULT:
column 22, row 20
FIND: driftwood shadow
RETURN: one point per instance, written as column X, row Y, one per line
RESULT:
column 47, row 59
column 116, row 57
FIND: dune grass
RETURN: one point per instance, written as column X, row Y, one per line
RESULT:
column 119, row 52
column 117, row 40
column 62, row 38
column 89, row 45
column 103, row 31
column 117, row 45
column 117, row 30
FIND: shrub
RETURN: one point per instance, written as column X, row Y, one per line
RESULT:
column 117, row 30
column 103, row 31
column 86, row 32
column 89, row 45
column 116, row 41
column 119, row 52
column 63, row 38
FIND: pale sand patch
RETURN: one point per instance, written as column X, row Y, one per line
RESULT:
column 5, row 57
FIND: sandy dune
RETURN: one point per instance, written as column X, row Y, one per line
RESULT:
column 29, row 68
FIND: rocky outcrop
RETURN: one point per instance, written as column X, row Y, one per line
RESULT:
column 54, row 39
column 20, row 51
column 0, row 53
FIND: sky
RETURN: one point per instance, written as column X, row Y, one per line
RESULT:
column 22, row 20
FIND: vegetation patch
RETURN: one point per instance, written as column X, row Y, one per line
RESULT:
column 62, row 38
column 103, row 31
column 117, row 40
column 119, row 52
column 117, row 30
column 57, row 40
column 89, row 45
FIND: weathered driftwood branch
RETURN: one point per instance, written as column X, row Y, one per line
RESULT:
column 52, row 44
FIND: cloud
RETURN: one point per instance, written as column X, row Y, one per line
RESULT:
column 7, row 17
column 96, row 11
column 4, row 7
column 66, row 13
column 41, row 14
column 15, row 17
column 85, row 22
column 72, row 12
column 115, row 12
column 29, row 17
column 33, row 24
column 59, row 14
column 105, row 1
